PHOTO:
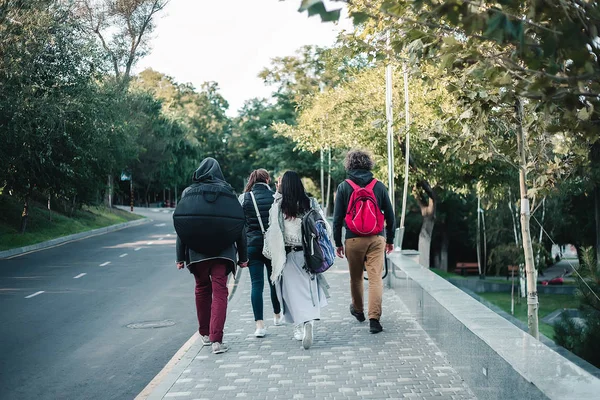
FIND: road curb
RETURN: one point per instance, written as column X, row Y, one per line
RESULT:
column 70, row 238
column 160, row 385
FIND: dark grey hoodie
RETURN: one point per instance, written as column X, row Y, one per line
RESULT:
column 362, row 178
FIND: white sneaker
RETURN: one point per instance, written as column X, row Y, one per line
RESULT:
column 260, row 332
column 205, row 340
column 298, row 334
column 307, row 338
column 277, row 321
column 219, row 348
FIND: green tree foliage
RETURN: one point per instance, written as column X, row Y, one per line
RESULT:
column 122, row 27
column 51, row 104
column 65, row 123
column 255, row 144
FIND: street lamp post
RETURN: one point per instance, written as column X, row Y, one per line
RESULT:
column 400, row 236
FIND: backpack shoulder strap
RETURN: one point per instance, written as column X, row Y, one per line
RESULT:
column 353, row 185
column 371, row 184
column 262, row 227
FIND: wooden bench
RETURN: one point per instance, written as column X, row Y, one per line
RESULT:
column 510, row 270
column 464, row 268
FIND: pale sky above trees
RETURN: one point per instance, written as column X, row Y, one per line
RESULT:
column 230, row 41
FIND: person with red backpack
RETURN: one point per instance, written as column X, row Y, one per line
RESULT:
column 362, row 205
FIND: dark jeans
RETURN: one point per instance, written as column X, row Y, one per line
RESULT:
column 211, row 297
column 256, row 264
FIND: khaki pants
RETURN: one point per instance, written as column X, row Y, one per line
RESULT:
column 369, row 252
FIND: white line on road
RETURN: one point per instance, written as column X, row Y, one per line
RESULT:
column 79, row 276
column 160, row 224
column 149, row 243
column 104, row 264
column 137, row 248
column 123, row 255
column 33, row 295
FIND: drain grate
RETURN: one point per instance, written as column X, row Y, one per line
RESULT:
column 151, row 324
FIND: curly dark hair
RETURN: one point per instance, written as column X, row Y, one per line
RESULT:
column 358, row 159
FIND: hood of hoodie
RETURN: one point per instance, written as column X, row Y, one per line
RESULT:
column 361, row 177
column 209, row 171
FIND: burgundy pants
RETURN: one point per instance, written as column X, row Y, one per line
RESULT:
column 211, row 297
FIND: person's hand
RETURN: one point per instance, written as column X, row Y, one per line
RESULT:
column 389, row 248
column 180, row 265
column 243, row 264
column 340, row 251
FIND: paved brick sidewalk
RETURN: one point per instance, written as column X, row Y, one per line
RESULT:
column 345, row 361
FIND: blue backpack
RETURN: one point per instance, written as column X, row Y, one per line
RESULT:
column 319, row 253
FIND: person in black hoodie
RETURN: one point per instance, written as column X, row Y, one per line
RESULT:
column 364, row 251
column 211, row 271
column 257, row 201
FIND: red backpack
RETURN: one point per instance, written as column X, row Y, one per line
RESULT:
column 363, row 216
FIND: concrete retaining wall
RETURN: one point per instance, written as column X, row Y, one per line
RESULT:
column 497, row 359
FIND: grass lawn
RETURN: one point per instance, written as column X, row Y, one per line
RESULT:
column 445, row 274
column 548, row 304
column 452, row 275
column 44, row 225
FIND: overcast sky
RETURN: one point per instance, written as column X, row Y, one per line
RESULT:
column 231, row 41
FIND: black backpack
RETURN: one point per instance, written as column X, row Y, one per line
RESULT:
column 209, row 218
column 319, row 254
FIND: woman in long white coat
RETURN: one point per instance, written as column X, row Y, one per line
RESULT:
column 301, row 294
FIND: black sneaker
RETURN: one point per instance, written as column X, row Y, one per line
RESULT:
column 375, row 326
column 360, row 316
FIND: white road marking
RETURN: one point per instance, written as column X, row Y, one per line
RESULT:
column 79, row 276
column 123, row 255
column 104, row 264
column 168, row 234
column 137, row 248
column 35, row 294
column 155, row 210
column 160, row 224
column 149, row 243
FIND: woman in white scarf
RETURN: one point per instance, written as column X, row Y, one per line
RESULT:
column 300, row 293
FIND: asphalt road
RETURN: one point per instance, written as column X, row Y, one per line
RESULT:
column 65, row 311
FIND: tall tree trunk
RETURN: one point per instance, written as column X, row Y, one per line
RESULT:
column 532, row 297
column 73, row 205
column 322, row 180
column 425, row 237
column 49, row 208
column 328, row 182
column 513, row 214
column 109, row 190
column 25, row 214
column 444, row 251
column 597, row 213
column 538, row 256
column 485, row 264
column 478, row 233
column 147, row 196
column 428, row 207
